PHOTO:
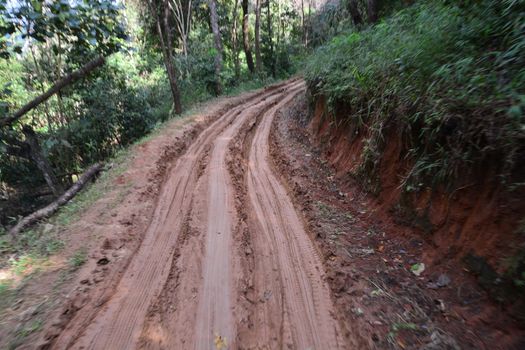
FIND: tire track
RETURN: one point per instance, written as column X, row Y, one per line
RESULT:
column 214, row 312
column 187, row 286
column 289, row 266
column 119, row 323
column 202, row 316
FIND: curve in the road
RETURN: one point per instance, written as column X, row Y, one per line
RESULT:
column 198, row 196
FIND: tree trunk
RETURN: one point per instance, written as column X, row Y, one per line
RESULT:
column 57, row 86
column 165, row 44
column 246, row 36
column 172, row 75
column 235, row 42
column 354, row 12
column 279, row 23
column 308, row 24
column 36, row 154
column 218, row 46
column 270, row 40
column 258, row 59
column 53, row 207
column 43, row 90
column 182, row 15
column 372, row 11
column 303, row 27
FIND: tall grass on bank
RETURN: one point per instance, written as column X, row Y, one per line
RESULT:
column 448, row 76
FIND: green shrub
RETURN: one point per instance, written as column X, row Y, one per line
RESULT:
column 447, row 76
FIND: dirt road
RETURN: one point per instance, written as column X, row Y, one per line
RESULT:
column 226, row 261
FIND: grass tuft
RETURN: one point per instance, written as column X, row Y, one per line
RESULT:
column 78, row 259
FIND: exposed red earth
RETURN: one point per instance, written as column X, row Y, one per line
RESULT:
column 187, row 285
column 232, row 231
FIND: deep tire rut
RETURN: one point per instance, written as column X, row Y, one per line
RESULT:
column 226, row 260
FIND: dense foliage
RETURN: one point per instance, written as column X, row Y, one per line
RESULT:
column 448, row 76
column 151, row 47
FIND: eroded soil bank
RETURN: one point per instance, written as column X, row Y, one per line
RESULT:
column 370, row 245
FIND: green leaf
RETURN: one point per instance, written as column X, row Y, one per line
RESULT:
column 515, row 112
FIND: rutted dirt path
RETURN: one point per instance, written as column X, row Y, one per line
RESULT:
column 225, row 261
column 296, row 270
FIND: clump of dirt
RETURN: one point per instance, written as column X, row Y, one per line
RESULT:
column 399, row 287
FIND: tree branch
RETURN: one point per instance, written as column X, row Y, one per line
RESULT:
column 53, row 207
column 57, row 86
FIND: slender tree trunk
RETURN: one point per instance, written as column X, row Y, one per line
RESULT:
column 258, row 58
column 235, row 42
column 246, row 36
column 270, row 40
column 308, row 24
column 164, row 53
column 372, row 11
column 42, row 89
column 303, row 25
column 283, row 27
column 279, row 23
column 163, row 29
column 61, row 109
column 41, row 161
column 186, row 26
column 218, row 45
column 182, row 14
column 354, row 12
column 168, row 58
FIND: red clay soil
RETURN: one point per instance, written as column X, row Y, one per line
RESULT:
column 478, row 218
column 368, row 250
column 223, row 261
column 478, row 226
column 233, row 232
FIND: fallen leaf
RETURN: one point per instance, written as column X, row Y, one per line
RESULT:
column 417, row 269
column 220, row 342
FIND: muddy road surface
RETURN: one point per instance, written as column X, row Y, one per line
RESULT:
column 226, row 262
